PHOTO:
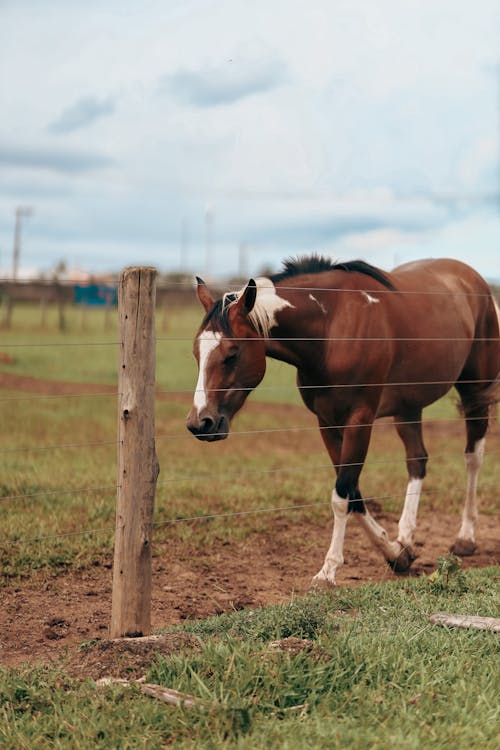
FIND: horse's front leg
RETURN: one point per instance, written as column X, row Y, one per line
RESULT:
column 355, row 445
column 348, row 455
column 332, row 438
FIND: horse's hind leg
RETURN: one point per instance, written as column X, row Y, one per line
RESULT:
column 409, row 427
column 476, row 423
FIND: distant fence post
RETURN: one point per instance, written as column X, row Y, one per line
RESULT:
column 137, row 461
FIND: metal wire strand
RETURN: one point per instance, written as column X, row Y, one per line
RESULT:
column 272, row 430
column 66, row 491
column 435, row 339
column 218, row 475
column 56, row 395
column 321, row 386
column 211, row 516
column 163, row 392
column 238, row 433
column 284, row 469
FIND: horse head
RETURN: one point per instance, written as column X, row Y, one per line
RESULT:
column 231, row 361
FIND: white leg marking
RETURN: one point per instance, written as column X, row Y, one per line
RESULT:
column 473, row 463
column 378, row 536
column 408, row 520
column 208, row 341
column 334, row 556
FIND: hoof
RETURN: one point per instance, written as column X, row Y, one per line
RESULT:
column 322, row 584
column 403, row 561
column 463, row 548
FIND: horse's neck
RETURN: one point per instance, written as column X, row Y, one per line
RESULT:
column 292, row 323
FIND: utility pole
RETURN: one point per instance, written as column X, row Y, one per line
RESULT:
column 184, row 246
column 209, row 229
column 242, row 260
column 21, row 212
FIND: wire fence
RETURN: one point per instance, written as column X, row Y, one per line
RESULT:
column 230, row 514
column 190, row 285
column 234, row 433
column 223, row 475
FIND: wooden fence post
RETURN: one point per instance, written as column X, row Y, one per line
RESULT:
column 137, row 461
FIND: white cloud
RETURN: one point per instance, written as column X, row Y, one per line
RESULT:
column 82, row 113
column 305, row 125
column 224, row 84
column 66, row 161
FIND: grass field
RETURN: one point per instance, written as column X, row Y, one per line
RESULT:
column 375, row 673
column 378, row 673
column 47, row 490
column 91, row 355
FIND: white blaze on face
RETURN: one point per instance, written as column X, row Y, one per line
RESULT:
column 208, row 341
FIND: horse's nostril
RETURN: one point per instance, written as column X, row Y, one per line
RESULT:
column 206, row 424
column 208, row 428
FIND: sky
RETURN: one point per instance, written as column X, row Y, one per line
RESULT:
column 218, row 137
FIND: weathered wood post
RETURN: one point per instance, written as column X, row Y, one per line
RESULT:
column 137, row 461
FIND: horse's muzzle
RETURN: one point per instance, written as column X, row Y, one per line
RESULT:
column 209, row 429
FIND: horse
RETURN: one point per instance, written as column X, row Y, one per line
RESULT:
column 366, row 344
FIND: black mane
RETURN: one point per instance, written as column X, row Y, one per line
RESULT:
column 217, row 318
column 318, row 263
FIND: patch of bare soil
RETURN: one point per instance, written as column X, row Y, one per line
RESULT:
column 49, row 616
column 124, row 657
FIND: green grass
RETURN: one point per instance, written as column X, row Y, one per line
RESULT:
column 378, row 675
column 90, row 354
column 296, row 472
column 32, row 466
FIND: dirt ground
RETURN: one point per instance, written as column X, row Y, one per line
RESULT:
column 50, row 615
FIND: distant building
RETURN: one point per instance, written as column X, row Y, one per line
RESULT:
column 95, row 294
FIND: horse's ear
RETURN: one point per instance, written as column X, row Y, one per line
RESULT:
column 247, row 299
column 203, row 294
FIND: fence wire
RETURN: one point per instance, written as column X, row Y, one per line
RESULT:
column 257, row 472
column 213, row 516
column 240, row 433
column 291, row 386
column 173, row 339
column 226, row 475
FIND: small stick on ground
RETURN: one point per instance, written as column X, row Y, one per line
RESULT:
column 466, row 621
column 167, row 695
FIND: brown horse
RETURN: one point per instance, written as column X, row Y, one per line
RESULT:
column 366, row 344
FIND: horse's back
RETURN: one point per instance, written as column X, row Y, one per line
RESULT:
column 439, row 274
column 452, row 291
column 447, row 307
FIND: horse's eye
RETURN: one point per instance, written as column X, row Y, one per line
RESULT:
column 230, row 360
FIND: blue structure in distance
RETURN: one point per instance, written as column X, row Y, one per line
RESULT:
column 96, row 294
